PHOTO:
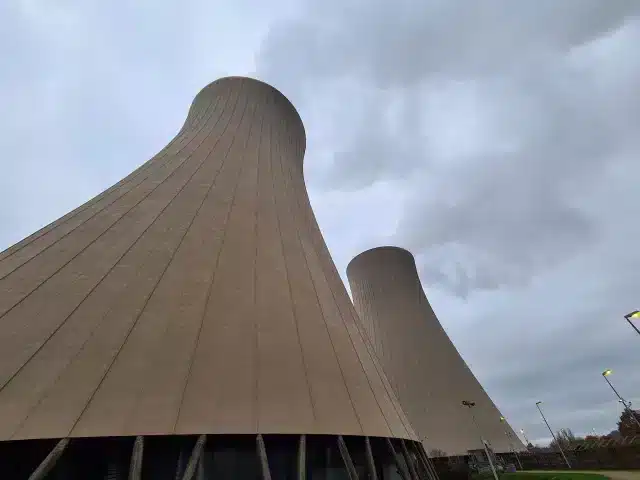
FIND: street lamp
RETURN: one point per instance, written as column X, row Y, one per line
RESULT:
column 513, row 450
column 553, row 434
column 635, row 315
column 470, row 406
column 626, row 405
column 525, row 438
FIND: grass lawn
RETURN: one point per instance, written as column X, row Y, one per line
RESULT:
column 552, row 476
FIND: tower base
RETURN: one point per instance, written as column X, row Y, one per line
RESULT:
column 219, row 457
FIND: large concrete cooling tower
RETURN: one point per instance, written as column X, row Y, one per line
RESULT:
column 425, row 369
column 189, row 321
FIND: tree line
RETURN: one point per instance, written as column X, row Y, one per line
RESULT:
column 627, row 427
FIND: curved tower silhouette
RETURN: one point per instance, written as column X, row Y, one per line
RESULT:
column 194, row 297
column 426, row 371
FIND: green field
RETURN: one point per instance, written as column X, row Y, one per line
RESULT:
column 542, row 476
column 552, row 476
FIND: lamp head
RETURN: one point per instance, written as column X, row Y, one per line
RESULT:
column 635, row 315
column 606, row 373
column 538, row 402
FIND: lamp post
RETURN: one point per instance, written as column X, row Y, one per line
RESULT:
column 513, row 450
column 553, row 435
column 626, row 405
column 525, row 438
column 470, row 406
column 635, row 315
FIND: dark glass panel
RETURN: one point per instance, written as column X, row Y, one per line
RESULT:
column 98, row 458
column 282, row 452
column 19, row 458
column 356, row 447
column 163, row 455
column 231, row 457
column 386, row 465
column 324, row 461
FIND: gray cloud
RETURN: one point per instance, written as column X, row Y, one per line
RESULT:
column 507, row 133
column 81, row 79
column 550, row 116
column 402, row 42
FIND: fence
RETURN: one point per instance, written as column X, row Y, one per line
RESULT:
column 601, row 453
column 598, row 454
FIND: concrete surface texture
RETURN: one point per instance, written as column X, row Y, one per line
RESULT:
column 196, row 295
column 426, row 371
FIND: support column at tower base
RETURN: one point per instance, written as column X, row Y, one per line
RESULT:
column 219, row 457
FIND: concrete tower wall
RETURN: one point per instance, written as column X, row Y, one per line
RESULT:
column 422, row 364
column 196, row 295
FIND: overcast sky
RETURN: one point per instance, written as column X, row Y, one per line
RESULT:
column 499, row 141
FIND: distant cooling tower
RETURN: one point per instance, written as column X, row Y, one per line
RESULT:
column 425, row 369
column 189, row 322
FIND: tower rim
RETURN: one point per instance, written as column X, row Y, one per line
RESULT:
column 262, row 83
column 360, row 257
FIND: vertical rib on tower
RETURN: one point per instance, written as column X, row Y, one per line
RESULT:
column 425, row 369
column 195, row 296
